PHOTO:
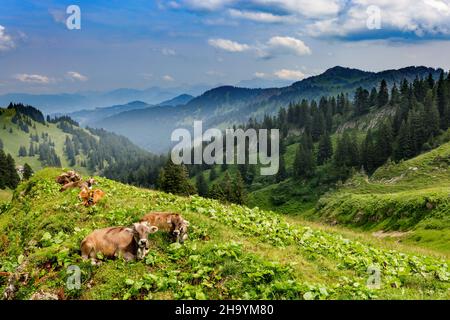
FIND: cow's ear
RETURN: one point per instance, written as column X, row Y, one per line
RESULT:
column 153, row 229
column 186, row 222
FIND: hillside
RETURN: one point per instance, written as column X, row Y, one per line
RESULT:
column 412, row 197
column 61, row 142
column 233, row 252
column 228, row 105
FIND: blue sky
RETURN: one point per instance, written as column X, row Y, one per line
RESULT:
column 139, row 44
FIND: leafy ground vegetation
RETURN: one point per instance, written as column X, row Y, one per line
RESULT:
column 233, row 252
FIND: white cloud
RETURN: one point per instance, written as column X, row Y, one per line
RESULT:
column 168, row 52
column 6, row 41
column 228, row 45
column 288, row 45
column 424, row 18
column 258, row 16
column 168, row 78
column 259, row 75
column 208, row 5
column 287, row 74
column 33, row 78
column 58, row 15
column 306, row 8
column 73, row 75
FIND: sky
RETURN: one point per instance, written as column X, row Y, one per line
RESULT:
column 173, row 43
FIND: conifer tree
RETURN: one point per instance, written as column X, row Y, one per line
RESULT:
column 383, row 94
column 304, row 162
column 212, row 174
column 174, row 179
column 27, row 171
column 325, row 149
column 202, row 186
column 282, row 173
column 22, row 151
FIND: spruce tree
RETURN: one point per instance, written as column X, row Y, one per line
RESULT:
column 174, row 179
column 368, row 153
column 22, row 151
column 304, row 162
column 395, row 96
column 282, row 172
column 383, row 94
column 212, row 174
column 325, row 149
column 404, row 148
column 27, row 171
column 373, row 97
column 442, row 101
column 3, row 170
column 239, row 194
column 202, row 186
column 13, row 178
column 430, row 115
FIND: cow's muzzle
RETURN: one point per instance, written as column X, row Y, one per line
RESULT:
column 143, row 243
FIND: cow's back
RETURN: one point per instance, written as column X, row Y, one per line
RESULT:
column 110, row 240
column 162, row 220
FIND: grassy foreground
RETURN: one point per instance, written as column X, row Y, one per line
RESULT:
column 233, row 252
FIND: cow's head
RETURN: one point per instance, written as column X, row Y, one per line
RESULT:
column 90, row 182
column 140, row 231
column 180, row 229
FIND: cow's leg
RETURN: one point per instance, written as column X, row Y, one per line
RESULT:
column 128, row 256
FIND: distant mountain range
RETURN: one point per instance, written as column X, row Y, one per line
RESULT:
column 219, row 107
column 71, row 102
column 88, row 117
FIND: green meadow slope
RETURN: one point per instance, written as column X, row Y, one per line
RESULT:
column 233, row 252
column 12, row 141
column 412, row 197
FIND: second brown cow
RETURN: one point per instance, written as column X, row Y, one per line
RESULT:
column 169, row 221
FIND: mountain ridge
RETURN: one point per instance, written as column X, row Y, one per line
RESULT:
column 225, row 105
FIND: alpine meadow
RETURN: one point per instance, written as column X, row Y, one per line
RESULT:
column 321, row 169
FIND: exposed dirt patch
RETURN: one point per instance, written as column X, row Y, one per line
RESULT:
column 390, row 234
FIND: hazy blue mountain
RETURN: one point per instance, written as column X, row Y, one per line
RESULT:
column 177, row 101
column 258, row 83
column 226, row 105
column 87, row 117
column 71, row 102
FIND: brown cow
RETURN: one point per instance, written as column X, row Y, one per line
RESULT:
column 90, row 197
column 67, row 177
column 168, row 221
column 78, row 184
column 129, row 243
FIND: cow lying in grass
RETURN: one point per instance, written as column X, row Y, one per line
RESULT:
column 78, row 184
column 171, row 222
column 68, row 177
column 90, row 197
column 129, row 243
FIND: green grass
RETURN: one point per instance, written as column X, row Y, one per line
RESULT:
column 412, row 196
column 233, row 252
column 5, row 196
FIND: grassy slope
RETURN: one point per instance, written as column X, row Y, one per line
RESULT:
column 412, row 195
column 13, row 141
column 233, row 251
